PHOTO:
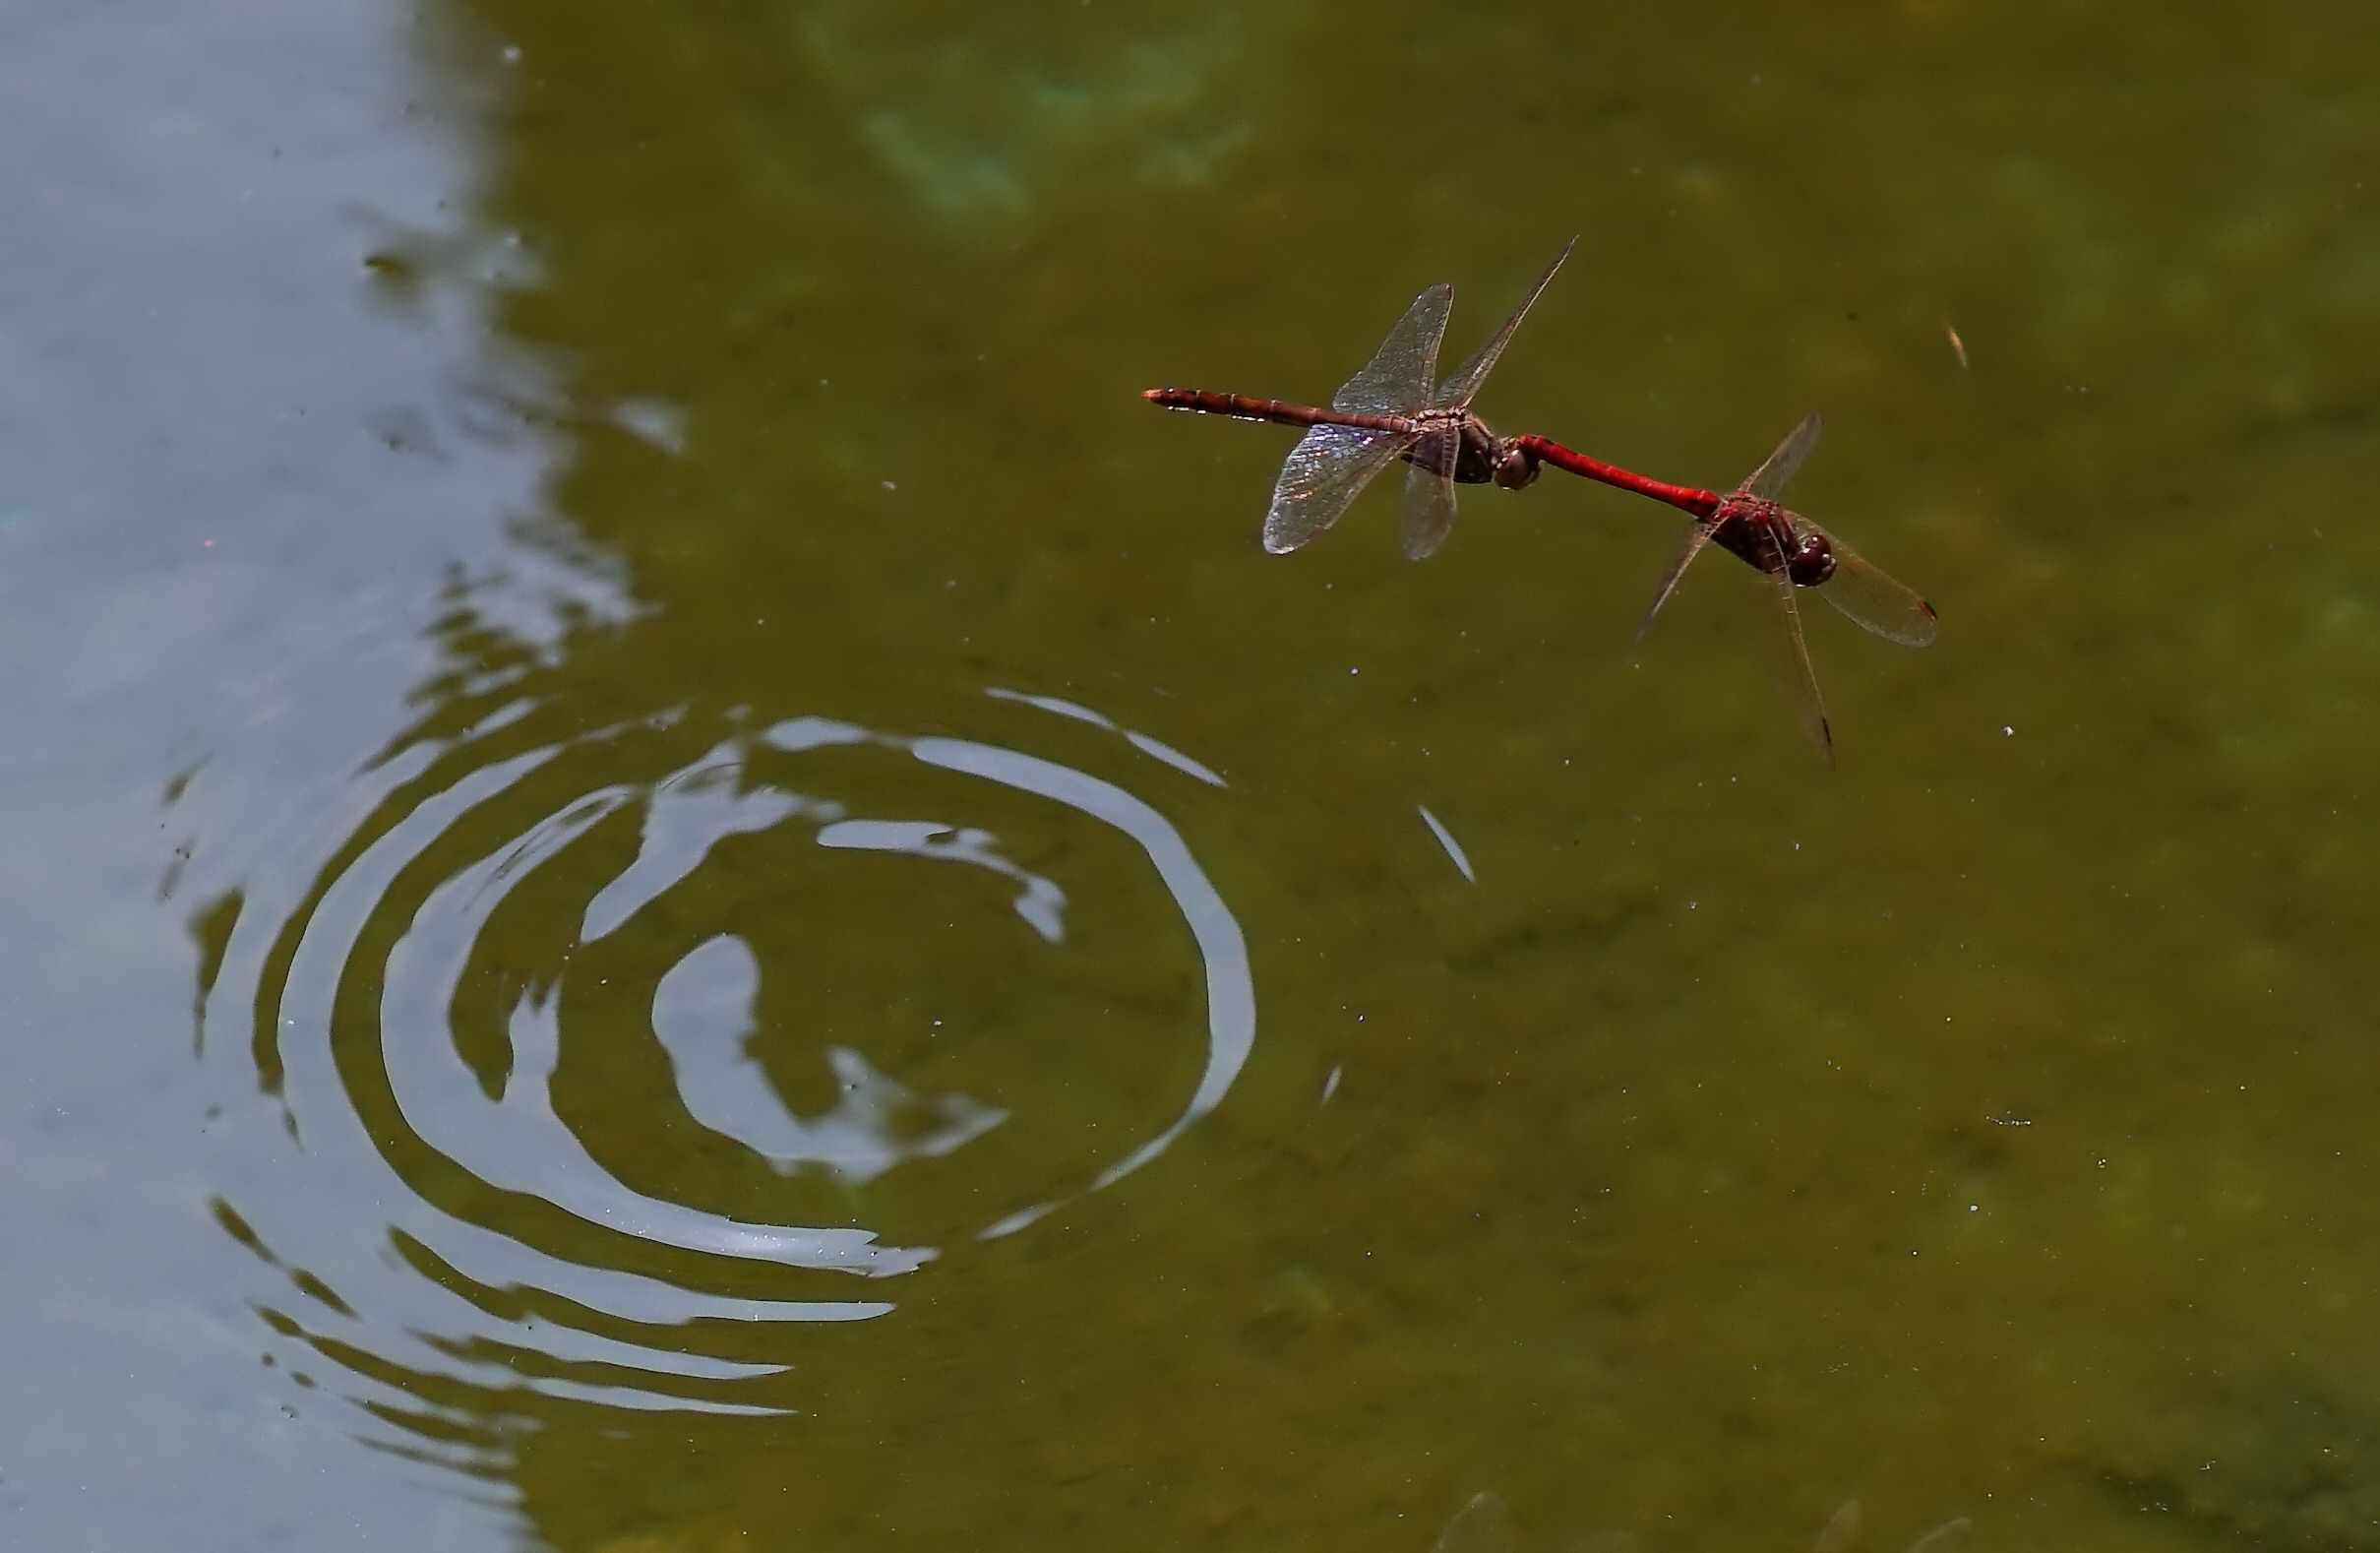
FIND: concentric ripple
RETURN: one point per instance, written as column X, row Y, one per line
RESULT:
column 608, row 1064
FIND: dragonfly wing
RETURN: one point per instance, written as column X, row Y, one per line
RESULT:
column 1874, row 601
column 1430, row 504
column 1800, row 680
column 1328, row 468
column 1694, row 541
column 1396, row 380
column 1483, row 1525
column 1771, row 477
column 1464, row 381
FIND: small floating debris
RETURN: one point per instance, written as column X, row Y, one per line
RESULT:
column 1445, row 839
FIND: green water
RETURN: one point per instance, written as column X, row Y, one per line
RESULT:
column 679, row 883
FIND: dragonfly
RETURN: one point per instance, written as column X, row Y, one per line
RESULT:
column 1388, row 411
column 1752, row 524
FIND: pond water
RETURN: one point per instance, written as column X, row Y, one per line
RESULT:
column 678, row 882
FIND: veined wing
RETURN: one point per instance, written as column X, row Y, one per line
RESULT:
column 1483, row 1525
column 1328, row 468
column 1463, row 382
column 1770, row 478
column 1429, row 503
column 1872, row 600
column 1396, row 380
column 1800, row 680
column 1694, row 541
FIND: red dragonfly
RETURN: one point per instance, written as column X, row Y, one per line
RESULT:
column 1386, row 412
column 1752, row 524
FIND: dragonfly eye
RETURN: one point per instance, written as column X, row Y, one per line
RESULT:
column 1514, row 468
column 1813, row 561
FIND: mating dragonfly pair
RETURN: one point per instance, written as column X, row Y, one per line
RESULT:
column 1389, row 410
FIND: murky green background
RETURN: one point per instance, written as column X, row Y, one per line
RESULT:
column 676, row 882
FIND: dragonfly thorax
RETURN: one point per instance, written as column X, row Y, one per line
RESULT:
column 1763, row 532
column 1459, row 444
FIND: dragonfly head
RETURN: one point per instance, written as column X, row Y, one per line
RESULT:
column 1811, row 560
column 1515, row 466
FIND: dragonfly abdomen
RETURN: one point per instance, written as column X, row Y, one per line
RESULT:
column 1245, row 407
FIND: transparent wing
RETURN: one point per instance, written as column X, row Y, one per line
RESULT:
column 1800, row 684
column 1396, row 380
column 1694, row 543
column 1872, row 600
column 1430, row 504
column 1483, row 1525
column 1771, row 477
column 1464, row 381
column 1328, row 468
column 1842, row 1530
